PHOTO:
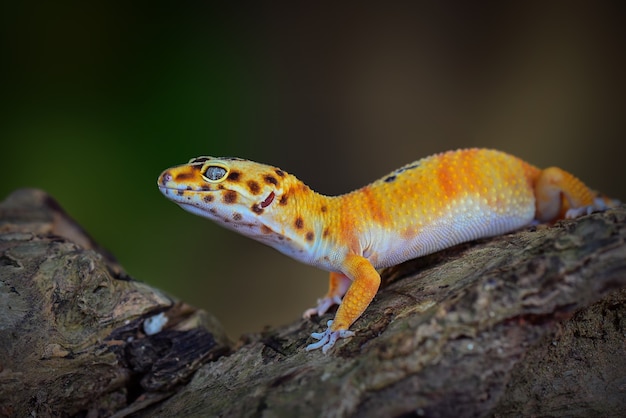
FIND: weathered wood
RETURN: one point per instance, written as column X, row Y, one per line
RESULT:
column 531, row 323
column 72, row 340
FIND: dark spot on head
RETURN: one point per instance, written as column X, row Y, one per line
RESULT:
column 229, row 197
column 213, row 211
column 180, row 192
column 266, row 229
column 256, row 209
column 309, row 236
column 279, row 172
column 271, row 180
column 221, row 187
column 326, row 232
column 254, row 187
column 184, row 176
column 208, row 198
column 283, row 200
column 299, row 223
column 324, row 208
column 234, row 176
column 390, row 179
column 199, row 160
column 205, row 187
column 237, row 216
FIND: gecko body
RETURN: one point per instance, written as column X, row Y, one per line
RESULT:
column 418, row 209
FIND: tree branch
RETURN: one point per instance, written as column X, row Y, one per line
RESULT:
column 530, row 323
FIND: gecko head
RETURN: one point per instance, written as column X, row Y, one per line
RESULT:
column 238, row 194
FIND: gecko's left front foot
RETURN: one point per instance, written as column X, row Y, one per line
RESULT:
column 328, row 338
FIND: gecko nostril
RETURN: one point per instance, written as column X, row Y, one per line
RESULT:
column 166, row 178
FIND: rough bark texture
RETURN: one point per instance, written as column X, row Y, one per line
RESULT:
column 72, row 338
column 531, row 323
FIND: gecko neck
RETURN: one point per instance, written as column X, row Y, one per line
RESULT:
column 303, row 222
column 320, row 224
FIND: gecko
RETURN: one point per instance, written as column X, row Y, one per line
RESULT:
column 423, row 207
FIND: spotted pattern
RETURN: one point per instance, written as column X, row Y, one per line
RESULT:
column 229, row 197
column 417, row 209
column 234, row 176
column 254, row 187
column 271, row 180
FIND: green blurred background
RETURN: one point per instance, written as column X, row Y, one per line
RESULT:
column 100, row 97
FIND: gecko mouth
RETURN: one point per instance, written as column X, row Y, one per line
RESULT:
column 185, row 196
column 177, row 190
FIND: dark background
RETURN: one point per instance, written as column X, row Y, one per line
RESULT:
column 99, row 98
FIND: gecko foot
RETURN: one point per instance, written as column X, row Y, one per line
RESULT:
column 323, row 305
column 598, row 205
column 328, row 338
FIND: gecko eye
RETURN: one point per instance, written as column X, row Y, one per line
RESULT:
column 214, row 173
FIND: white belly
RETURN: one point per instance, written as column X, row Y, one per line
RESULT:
column 465, row 221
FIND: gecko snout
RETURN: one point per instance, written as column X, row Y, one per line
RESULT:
column 164, row 178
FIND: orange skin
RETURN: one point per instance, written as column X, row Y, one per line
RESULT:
column 423, row 207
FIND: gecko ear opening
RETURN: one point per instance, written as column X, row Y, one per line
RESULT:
column 268, row 200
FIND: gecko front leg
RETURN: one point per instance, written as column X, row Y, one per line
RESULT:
column 365, row 283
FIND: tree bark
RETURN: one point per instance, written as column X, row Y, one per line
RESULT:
column 529, row 323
